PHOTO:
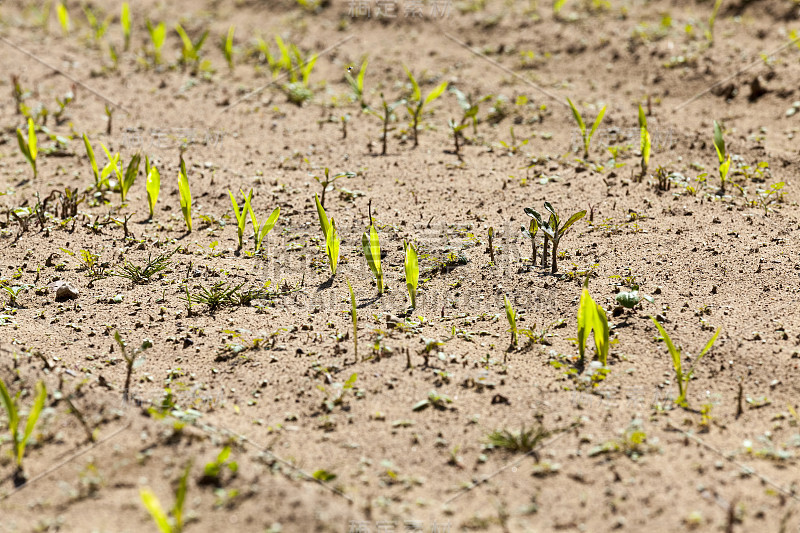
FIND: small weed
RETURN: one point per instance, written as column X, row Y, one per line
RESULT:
column 142, row 274
column 522, row 441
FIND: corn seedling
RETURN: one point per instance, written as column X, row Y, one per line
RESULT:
column 681, row 377
column 644, row 144
column 158, row 35
column 259, row 232
column 153, row 185
column 412, row 272
column 416, row 105
column 533, row 229
column 297, row 90
column 62, row 107
column 491, row 244
column 28, row 145
column 386, row 117
column 125, row 22
column 19, row 438
column 469, row 108
column 99, row 29
column 354, row 317
column 241, row 215
column 372, row 251
column 553, row 228
column 511, row 314
column 113, row 165
column 586, row 136
column 592, row 318
column 212, row 472
column 186, row 196
column 190, row 53
column 132, row 361
column 227, row 48
column 13, row 293
column 129, row 178
column 357, row 84
column 327, row 181
column 456, row 128
column 332, row 240
column 165, row 523
column 63, row 17
column 711, row 20
column 723, row 155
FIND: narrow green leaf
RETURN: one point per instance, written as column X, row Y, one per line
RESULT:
column 153, row 506
column 578, row 118
column 436, row 93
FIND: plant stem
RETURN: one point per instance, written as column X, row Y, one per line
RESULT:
column 544, row 252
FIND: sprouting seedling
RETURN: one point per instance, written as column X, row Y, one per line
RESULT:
column 132, row 362
column 109, row 116
column 722, row 154
column 186, row 195
column 417, row 104
column 303, row 65
column 153, row 185
column 511, row 314
column 386, row 117
column 592, row 318
column 125, row 22
column 456, row 128
column 190, row 53
column 332, row 240
column 227, row 48
column 29, row 146
column 261, row 231
column 412, row 272
column 681, row 377
column 586, row 136
column 62, row 102
column 354, row 317
column 711, row 20
column 165, row 523
column 158, row 35
column 113, row 165
column 99, row 29
column 19, row 438
column 92, row 160
column 357, row 84
column 469, row 108
column 372, row 251
column 63, row 17
column 13, row 293
column 130, row 175
column 530, row 232
column 491, row 244
column 558, row 5
column 328, row 180
column 553, row 228
column 241, row 215
column 644, row 144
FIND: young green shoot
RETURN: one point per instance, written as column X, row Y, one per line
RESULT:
column 165, row 523
column 354, row 317
column 190, row 53
column 19, row 439
column 533, row 229
column 153, row 185
column 412, row 272
column 99, row 29
column 130, row 175
column 158, row 35
column 711, row 20
column 456, row 128
column 332, row 240
column 227, row 48
column 681, row 377
column 125, row 22
column 553, row 228
column 328, row 181
column 586, row 136
column 372, row 251
column 241, row 216
column 592, row 318
column 416, row 104
column 132, row 361
column 644, row 144
column 723, row 155
column 491, row 244
column 511, row 314
column 259, row 232
column 386, row 118
column 63, row 17
column 186, row 196
column 28, row 145
column 357, row 84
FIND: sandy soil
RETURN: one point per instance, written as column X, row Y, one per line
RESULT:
column 322, row 438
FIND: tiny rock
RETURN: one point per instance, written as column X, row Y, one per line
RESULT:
column 64, row 290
